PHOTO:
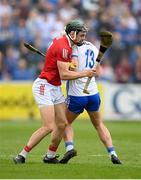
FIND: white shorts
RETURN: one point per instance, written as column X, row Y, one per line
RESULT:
column 46, row 94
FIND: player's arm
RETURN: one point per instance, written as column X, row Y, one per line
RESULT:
column 66, row 74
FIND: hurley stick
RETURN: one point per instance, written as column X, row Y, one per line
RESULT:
column 33, row 49
column 106, row 39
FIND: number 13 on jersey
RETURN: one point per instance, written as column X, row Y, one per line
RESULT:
column 89, row 58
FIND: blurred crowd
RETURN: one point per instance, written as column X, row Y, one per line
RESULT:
column 39, row 21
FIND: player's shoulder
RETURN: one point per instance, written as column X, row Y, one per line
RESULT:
column 89, row 44
column 92, row 47
column 61, row 38
column 62, row 42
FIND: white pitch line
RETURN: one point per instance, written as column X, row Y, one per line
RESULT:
column 97, row 155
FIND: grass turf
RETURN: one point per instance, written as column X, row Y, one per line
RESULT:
column 92, row 161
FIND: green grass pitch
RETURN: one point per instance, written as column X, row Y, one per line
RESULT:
column 92, row 161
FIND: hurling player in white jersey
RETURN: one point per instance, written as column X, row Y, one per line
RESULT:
column 84, row 57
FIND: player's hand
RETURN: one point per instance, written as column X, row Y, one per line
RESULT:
column 91, row 72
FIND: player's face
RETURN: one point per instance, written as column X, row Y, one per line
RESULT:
column 80, row 37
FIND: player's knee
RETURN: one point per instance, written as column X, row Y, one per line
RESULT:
column 99, row 125
column 47, row 129
column 62, row 125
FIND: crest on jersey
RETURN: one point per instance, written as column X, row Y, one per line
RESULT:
column 65, row 53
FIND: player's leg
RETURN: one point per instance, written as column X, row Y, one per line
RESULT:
column 60, row 122
column 97, row 121
column 59, row 127
column 68, row 134
column 104, row 135
column 57, row 133
column 103, row 132
column 74, row 108
column 68, row 138
column 47, row 114
column 46, row 107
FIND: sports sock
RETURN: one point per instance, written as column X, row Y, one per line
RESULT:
column 69, row 145
column 25, row 151
column 111, row 150
column 51, row 151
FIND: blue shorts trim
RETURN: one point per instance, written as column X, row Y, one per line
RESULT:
column 77, row 104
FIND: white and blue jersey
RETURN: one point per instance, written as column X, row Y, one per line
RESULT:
column 77, row 101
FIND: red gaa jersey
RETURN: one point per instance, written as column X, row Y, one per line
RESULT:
column 59, row 50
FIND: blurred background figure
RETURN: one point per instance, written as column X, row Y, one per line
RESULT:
column 123, row 71
column 22, row 71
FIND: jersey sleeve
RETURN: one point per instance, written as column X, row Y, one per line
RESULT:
column 75, row 52
column 63, row 54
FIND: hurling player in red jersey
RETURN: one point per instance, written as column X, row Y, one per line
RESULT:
column 47, row 90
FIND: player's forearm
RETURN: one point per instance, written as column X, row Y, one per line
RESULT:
column 70, row 75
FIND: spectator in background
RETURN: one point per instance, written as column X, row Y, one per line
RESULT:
column 1, row 65
column 22, row 71
column 107, row 72
column 59, row 26
column 90, row 5
column 26, row 54
column 6, row 32
column 11, row 60
column 24, row 7
column 34, row 22
column 136, row 7
column 137, row 71
column 105, row 21
column 22, row 33
column 123, row 71
column 47, row 6
column 67, row 11
column 5, row 8
column 39, row 66
column 117, row 50
column 135, row 54
column 128, row 28
column 25, row 20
